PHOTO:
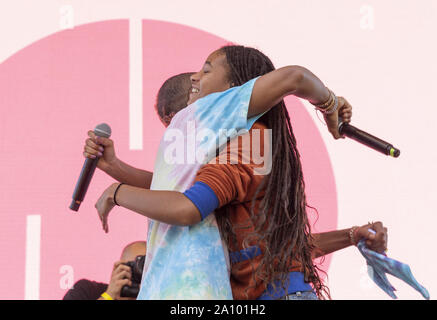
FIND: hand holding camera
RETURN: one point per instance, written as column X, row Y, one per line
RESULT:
column 126, row 279
column 136, row 266
column 121, row 276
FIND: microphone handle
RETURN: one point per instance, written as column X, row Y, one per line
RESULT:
column 83, row 183
column 368, row 140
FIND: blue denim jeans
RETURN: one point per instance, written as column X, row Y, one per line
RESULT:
column 305, row 295
column 301, row 290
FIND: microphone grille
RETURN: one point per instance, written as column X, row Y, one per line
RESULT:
column 103, row 130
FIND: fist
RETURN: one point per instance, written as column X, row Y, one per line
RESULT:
column 377, row 240
column 344, row 110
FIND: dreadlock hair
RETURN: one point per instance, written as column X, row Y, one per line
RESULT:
column 173, row 96
column 281, row 222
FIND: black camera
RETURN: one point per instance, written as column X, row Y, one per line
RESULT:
column 136, row 267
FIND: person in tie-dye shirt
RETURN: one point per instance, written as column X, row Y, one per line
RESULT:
column 183, row 248
column 226, row 179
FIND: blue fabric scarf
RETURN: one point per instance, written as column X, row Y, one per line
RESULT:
column 379, row 264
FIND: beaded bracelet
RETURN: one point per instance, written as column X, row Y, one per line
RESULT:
column 352, row 235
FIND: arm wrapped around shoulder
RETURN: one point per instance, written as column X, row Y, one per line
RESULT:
column 274, row 86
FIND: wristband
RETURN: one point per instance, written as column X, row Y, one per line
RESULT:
column 203, row 197
column 106, row 296
column 115, row 193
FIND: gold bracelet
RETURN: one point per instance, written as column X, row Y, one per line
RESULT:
column 106, row 296
column 327, row 103
column 332, row 107
column 351, row 235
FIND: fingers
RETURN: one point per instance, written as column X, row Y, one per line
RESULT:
column 345, row 110
column 125, row 282
column 121, row 271
column 95, row 145
column 92, row 149
column 90, row 143
column 379, row 236
column 118, row 281
column 123, row 274
column 106, row 142
column 378, row 241
column 103, row 218
column 116, row 264
column 105, row 223
column 332, row 123
column 345, row 115
column 92, row 152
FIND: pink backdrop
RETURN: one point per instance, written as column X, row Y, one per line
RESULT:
column 60, row 87
column 66, row 67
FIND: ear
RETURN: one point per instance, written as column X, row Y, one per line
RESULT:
column 167, row 119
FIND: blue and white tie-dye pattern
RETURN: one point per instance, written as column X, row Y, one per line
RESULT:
column 192, row 262
column 379, row 264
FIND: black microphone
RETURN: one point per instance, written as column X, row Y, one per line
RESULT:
column 367, row 139
column 102, row 130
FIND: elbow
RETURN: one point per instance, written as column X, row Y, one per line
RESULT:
column 189, row 217
column 189, row 221
column 317, row 253
column 295, row 76
column 181, row 211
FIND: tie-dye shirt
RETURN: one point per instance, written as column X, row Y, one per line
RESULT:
column 192, row 262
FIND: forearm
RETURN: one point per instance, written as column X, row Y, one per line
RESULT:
column 170, row 207
column 127, row 174
column 331, row 241
column 271, row 88
column 310, row 88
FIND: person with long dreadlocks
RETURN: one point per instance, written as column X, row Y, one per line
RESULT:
column 237, row 178
column 280, row 224
column 263, row 218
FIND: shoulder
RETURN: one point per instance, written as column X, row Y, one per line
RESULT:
column 85, row 289
column 258, row 125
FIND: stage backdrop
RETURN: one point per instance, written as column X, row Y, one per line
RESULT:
column 66, row 66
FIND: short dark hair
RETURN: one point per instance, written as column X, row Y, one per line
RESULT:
column 173, row 96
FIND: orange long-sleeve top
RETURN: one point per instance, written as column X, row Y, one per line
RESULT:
column 235, row 183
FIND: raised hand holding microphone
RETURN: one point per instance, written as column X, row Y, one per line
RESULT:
column 344, row 114
column 87, row 172
column 337, row 113
column 101, row 148
column 333, row 109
